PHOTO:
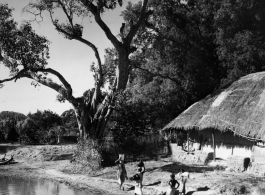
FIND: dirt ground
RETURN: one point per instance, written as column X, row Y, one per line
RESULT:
column 47, row 162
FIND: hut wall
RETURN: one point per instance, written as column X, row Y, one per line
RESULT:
column 258, row 160
column 226, row 144
column 258, row 155
column 198, row 157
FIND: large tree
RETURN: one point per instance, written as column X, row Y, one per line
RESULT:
column 177, row 63
column 25, row 53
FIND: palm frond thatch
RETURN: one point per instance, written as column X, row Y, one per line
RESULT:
column 239, row 108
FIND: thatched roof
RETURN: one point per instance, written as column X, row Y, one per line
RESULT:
column 239, row 108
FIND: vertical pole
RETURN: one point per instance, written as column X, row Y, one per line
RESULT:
column 171, row 135
column 188, row 138
column 177, row 138
column 214, row 152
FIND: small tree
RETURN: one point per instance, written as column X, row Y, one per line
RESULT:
column 69, row 122
column 27, row 130
column 8, row 122
column 58, row 131
column 46, row 121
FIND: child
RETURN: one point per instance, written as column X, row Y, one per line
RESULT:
column 172, row 183
column 141, row 165
column 138, row 179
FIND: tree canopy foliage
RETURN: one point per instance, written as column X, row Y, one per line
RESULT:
column 187, row 51
column 41, row 127
column 8, row 122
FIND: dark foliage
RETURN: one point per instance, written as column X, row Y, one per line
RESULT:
column 8, row 122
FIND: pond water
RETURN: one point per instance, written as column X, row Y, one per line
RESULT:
column 18, row 186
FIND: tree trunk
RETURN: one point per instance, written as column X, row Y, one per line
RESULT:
column 214, row 147
column 59, row 139
column 93, row 115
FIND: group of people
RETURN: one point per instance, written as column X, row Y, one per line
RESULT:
column 138, row 178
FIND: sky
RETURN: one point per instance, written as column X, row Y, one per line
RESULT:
column 69, row 57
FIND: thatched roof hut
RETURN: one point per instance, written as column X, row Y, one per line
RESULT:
column 239, row 108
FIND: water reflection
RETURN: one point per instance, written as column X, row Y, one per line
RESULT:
column 17, row 186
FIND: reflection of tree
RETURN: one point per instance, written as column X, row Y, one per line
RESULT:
column 17, row 186
column 55, row 190
column 4, row 183
column 45, row 185
column 25, row 186
column 9, row 185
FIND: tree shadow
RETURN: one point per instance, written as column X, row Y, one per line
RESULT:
column 177, row 167
column 203, row 188
column 198, row 189
column 190, row 192
column 5, row 148
column 153, row 184
column 131, row 188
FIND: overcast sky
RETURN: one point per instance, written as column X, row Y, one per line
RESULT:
column 71, row 58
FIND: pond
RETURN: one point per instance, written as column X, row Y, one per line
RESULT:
column 18, row 186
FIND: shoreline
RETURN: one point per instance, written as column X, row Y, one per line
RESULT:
column 76, row 181
column 204, row 179
column 51, row 171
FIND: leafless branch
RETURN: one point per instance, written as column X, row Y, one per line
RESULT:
column 36, row 15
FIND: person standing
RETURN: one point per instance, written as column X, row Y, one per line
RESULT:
column 142, row 168
column 138, row 177
column 141, row 165
column 121, row 173
column 183, row 180
column 172, row 183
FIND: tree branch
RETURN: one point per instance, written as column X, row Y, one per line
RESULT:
column 159, row 75
column 69, row 17
column 31, row 75
column 17, row 76
column 60, row 77
column 94, row 48
column 94, row 10
column 8, row 79
column 135, row 27
column 88, row 43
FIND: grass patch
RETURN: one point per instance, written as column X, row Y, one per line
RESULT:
column 77, row 168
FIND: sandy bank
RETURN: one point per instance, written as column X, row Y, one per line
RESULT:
column 204, row 180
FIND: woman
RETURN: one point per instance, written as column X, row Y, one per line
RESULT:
column 172, row 183
column 121, row 173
